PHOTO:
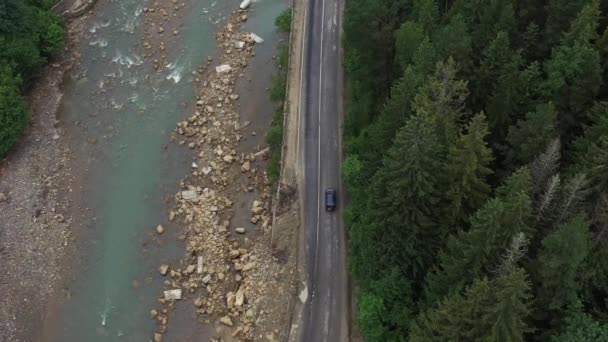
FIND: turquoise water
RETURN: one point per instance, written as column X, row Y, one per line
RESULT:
column 121, row 113
column 126, row 119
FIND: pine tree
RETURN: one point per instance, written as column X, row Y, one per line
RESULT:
column 573, row 71
column 443, row 97
column 408, row 39
column 426, row 13
column 560, row 13
column 466, row 170
column 559, row 262
column 512, row 306
column 454, row 41
column 488, row 311
column 591, row 149
column 402, row 198
column 476, row 251
column 580, row 327
column 457, row 317
column 530, row 136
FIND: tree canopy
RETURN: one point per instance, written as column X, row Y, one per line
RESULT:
column 476, row 138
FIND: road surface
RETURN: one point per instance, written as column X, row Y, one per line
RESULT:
column 325, row 313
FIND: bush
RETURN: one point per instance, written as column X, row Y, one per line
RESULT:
column 13, row 113
column 279, row 79
column 30, row 34
column 283, row 21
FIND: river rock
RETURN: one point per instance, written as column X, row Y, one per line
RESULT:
column 240, row 230
column 228, row 158
column 223, row 68
column 161, row 30
column 256, row 38
column 226, row 320
column 174, row 294
column 3, row 197
column 246, row 166
column 190, row 269
column 199, row 264
column 233, row 254
column 153, row 313
column 245, row 4
column 240, row 298
column 230, row 300
column 198, row 302
column 158, row 337
column 244, row 17
column 189, row 195
column 163, row 269
column 256, row 209
column 160, row 229
column 206, row 279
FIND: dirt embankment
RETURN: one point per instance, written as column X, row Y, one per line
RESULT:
column 37, row 189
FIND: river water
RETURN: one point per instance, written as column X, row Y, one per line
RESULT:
column 121, row 113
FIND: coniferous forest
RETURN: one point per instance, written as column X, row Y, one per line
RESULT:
column 476, row 140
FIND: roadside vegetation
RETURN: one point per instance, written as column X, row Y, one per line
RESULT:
column 29, row 36
column 476, row 138
column 274, row 136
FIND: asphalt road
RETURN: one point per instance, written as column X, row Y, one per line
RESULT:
column 325, row 312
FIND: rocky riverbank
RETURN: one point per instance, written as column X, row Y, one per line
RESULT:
column 229, row 273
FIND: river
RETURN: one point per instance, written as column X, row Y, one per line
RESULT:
column 121, row 113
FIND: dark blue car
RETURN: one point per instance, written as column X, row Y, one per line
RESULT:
column 330, row 199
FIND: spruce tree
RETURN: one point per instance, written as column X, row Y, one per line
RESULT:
column 507, row 315
column 403, row 197
column 530, row 136
column 560, row 13
column 488, row 311
column 591, row 149
column 573, row 71
column 580, row 327
column 467, row 168
column 475, row 252
column 557, row 269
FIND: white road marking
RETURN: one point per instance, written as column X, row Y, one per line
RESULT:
column 319, row 139
column 301, row 86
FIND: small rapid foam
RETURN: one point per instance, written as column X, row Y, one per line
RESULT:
column 101, row 42
column 116, row 105
column 138, row 11
column 127, row 60
column 176, row 74
column 96, row 26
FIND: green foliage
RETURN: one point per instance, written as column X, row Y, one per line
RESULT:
column 581, row 327
column 487, row 311
column 529, row 137
column 13, row 113
column 351, row 172
column 278, row 88
column 559, row 262
column 471, row 254
column 435, row 203
column 279, row 79
column 29, row 35
column 283, row 21
column 591, row 149
column 466, row 169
